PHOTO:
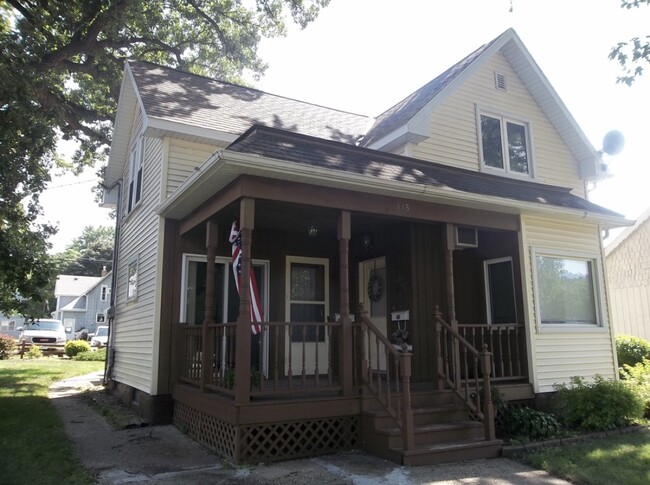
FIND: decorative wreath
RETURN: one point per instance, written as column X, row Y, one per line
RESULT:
column 375, row 287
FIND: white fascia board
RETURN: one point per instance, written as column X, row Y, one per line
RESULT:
column 241, row 164
column 547, row 98
column 626, row 233
column 159, row 127
column 128, row 101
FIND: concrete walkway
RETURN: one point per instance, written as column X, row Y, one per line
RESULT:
column 163, row 455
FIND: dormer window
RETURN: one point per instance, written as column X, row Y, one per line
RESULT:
column 505, row 145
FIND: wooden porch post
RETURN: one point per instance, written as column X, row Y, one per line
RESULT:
column 346, row 363
column 211, row 241
column 451, row 297
column 243, row 333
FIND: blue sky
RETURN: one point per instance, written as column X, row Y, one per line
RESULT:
column 363, row 56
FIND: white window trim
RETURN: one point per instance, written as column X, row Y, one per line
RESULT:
column 202, row 258
column 104, row 293
column 132, row 261
column 598, row 289
column 488, row 299
column 136, row 163
column 505, row 117
column 101, row 320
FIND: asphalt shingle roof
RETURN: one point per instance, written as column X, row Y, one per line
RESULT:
column 305, row 150
column 406, row 109
column 186, row 98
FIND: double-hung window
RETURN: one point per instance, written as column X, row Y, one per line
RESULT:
column 136, row 163
column 567, row 289
column 505, row 144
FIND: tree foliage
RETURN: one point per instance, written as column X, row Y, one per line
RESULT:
column 89, row 253
column 634, row 54
column 61, row 63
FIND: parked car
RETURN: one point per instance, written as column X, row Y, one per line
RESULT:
column 47, row 334
column 100, row 338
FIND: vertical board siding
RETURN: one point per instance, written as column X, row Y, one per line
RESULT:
column 561, row 354
column 184, row 158
column 628, row 277
column 454, row 131
column 135, row 324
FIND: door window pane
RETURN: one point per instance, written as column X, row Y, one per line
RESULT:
column 501, row 292
column 307, row 282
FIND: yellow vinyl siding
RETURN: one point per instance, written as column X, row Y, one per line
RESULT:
column 184, row 158
column 558, row 354
column 454, row 132
column 135, row 324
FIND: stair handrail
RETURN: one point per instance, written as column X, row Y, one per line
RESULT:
column 403, row 413
column 450, row 371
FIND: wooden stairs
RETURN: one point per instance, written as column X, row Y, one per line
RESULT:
column 443, row 431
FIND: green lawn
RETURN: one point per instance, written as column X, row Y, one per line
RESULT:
column 601, row 461
column 35, row 449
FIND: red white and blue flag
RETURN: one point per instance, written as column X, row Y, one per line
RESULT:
column 257, row 315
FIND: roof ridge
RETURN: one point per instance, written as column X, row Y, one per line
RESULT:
column 207, row 78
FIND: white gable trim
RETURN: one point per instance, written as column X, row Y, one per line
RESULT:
column 627, row 232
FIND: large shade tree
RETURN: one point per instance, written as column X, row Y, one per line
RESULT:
column 61, row 63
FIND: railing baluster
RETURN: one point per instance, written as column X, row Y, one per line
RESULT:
column 288, row 330
column 304, row 355
column 316, row 345
column 501, row 359
column 329, row 354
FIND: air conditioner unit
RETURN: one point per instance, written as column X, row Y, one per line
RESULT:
column 466, row 237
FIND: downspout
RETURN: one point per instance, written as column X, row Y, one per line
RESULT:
column 110, row 350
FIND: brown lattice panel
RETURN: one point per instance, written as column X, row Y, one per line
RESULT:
column 214, row 433
column 282, row 441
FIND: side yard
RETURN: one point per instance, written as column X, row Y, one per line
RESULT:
column 34, row 446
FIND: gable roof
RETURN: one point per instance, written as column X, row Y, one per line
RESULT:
column 72, row 285
column 624, row 235
column 408, row 119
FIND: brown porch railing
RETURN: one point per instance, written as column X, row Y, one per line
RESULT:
column 294, row 358
column 386, row 373
column 506, row 343
column 466, row 371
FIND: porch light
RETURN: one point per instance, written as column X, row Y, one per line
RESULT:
column 312, row 230
column 366, row 242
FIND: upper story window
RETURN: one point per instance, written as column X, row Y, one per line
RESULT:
column 505, row 145
column 136, row 162
column 105, row 292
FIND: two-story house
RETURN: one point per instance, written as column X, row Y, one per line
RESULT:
column 82, row 301
column 400, row 266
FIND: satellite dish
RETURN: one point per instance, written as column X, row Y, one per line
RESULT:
column 613, row 142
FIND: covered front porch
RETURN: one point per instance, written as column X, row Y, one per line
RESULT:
column 385, row 326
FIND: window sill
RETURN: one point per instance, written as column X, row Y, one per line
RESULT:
column 506, row 174
column 570, row 328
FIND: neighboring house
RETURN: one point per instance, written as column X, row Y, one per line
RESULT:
column 628, row 279
column 9, row 324
column 459, row 212
column 82, row 301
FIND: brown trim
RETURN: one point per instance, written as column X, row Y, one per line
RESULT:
column 225, row 197
column 298, row 193
column 346, row 356
column 169, row 287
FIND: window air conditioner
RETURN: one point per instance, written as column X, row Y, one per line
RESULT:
column 466, row 237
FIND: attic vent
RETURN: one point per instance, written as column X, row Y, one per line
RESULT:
column 500, row 81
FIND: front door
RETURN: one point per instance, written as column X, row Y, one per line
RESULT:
column 372, row 295
column 307, row 296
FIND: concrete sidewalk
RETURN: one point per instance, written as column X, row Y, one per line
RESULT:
column 163, row 455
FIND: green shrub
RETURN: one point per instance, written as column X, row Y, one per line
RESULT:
column 7, row 346
column 527, row 423
column 638, row 379
column 603, row 404
column 98, row 356
column 631, row 350
column 74, row 347
column 34, row 352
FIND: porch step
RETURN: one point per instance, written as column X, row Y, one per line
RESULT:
column 470, row 449
column 436, row 433
column 443, row 432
